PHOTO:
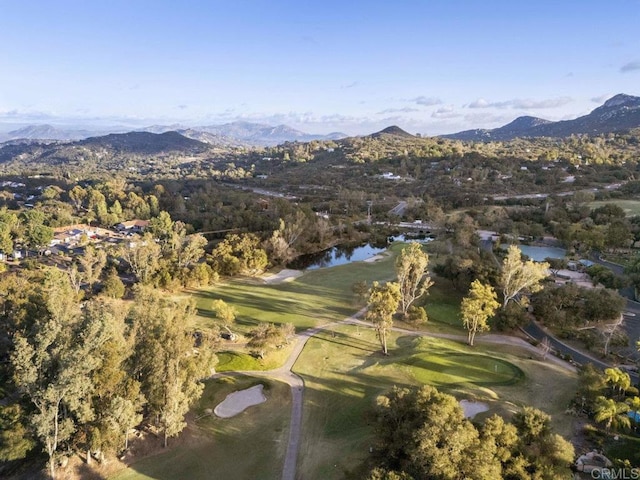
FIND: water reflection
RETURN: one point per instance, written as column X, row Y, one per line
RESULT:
column 339, row 255
column 343, row 254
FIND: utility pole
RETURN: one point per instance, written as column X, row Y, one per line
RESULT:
column 369, row 203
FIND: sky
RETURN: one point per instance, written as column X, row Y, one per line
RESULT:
column 354, row 66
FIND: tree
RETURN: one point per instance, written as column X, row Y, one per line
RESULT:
column 112, row 286
column 116, row 398
column 382, row 304
column 225, row 313
column 532, row 424
column 545, row 346
column 609, row 332
column 267, row 336
column 164, row 358
column 423, row 433
column 556, row 264
column 15, row 438
column 411, row 269
column 617, row 379
column 93, row 261
column 611, row 413
column 125, row 414
column 416, row 315
column 239, row 255
column 161, row 227
column 142, row 254
column 477, row 307
column 518, row 276
column 37, row 235
column 191, row 250
column 77, row 195
column 52, row 365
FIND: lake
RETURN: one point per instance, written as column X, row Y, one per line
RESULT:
column 339, row 255
column 538, row 254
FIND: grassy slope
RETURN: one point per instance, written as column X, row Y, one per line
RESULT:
column 630, row 207
column 318, row 297
column 249, row 445
column 344, row 372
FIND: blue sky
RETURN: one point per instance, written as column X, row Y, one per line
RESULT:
column 431, row 66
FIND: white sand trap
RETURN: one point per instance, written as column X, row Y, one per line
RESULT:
column 239, row 401
column 375, row 258
column 285, row 275
column 471, row 409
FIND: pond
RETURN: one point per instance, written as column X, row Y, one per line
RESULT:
column 538, row 254
column 343, row 254
column 339, row 255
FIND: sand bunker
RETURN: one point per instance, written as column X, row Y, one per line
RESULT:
column 471, row 409
column 239, row 401
column 285, row 275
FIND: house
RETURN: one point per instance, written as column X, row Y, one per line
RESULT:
column 133, row 226
column 72, row 234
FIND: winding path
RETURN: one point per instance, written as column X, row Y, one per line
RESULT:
column 285, row 374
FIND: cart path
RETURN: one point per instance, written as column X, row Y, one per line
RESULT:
column 296, row 383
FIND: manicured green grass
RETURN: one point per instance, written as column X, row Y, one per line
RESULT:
column 460, row 368
column 249, row 445
column 344, row 372
column 625, row 447
column 630, row 207
column 318, row 297
column 240, row 361
column 443, row 304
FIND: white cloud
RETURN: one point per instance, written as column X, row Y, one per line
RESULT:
column 601, row 98
column 397, row 110
column 479, row 103
column 630, row 67
column 445, row 112
column 427, row 101
column 522, row 103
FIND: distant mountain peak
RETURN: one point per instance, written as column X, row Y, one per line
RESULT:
column 392, row 130
column 622, row 99
column 526, row 121
column 620, row 113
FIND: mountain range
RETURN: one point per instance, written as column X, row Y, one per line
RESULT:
column 619, row 113
column 229, row 134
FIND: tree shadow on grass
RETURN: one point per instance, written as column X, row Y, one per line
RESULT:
column 339, row 338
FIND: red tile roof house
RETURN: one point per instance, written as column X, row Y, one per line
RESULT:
column 133, row 226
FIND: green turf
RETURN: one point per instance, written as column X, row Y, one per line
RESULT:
column 250, row 445
column 451, row 368
column 630, row 207
column 240, row 361
column 624, row 447
column 318, row 297
column 344, row 372
column 443, row 304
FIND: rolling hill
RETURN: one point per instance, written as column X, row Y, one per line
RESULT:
column 619, row 113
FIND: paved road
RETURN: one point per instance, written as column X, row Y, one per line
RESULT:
column 398, row 209
column 631, row 324
column 537, row 332
column 296, row 383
